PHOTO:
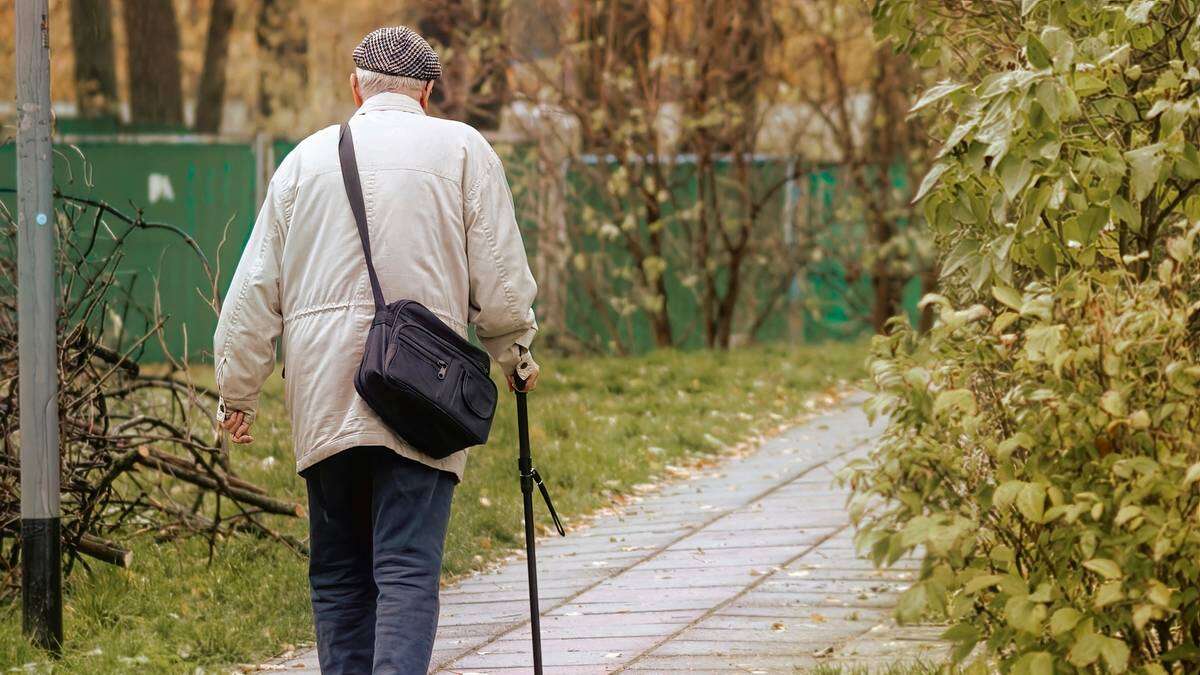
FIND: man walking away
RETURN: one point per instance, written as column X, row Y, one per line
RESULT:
column 443, row 233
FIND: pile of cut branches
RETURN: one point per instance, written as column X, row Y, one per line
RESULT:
column 141, row 455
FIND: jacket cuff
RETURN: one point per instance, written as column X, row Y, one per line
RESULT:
column 247, row 407
column 504, row 350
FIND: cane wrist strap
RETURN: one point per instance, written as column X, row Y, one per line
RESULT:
column 533, row 473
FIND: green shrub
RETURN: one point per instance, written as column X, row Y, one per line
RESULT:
column 1046, row 458
column 1042, row 452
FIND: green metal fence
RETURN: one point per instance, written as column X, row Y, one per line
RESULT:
column 211, row 189
column 207, row 189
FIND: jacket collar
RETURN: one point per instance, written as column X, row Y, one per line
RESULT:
column 390, row 100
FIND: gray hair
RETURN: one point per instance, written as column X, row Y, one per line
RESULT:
column 371, row 83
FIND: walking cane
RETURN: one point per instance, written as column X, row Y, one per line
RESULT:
column 530, row 477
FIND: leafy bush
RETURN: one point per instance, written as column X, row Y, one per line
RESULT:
column 1046, row 459
column 1070, row 140
column 1041, row 449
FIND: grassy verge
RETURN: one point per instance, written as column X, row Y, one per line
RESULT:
column 599, row 427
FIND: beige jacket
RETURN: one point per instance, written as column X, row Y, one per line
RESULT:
column 443, row 233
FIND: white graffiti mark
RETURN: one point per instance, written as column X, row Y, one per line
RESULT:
column 160, row 188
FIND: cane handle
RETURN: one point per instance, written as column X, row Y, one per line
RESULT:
column 525, row 370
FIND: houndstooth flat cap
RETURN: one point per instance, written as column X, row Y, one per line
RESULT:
column 398, row 50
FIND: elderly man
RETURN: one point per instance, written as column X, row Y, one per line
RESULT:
column 443, row 233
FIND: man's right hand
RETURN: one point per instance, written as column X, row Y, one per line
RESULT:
column 237, row 426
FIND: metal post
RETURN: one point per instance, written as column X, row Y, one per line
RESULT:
column 41, row 571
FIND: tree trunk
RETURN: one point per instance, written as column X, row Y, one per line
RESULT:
column 886, row 289
column 890, row 137
column 745, row 66
column 616, row 34
column 155, row 87
column 728, row 307
column 737, row 35
column 441, row 24
column 660, row 317
column 95, row 60
column 489, row 86
column 661, row 322
column 705, row 179
column 553, row 242
column 282, row 37
column 210, row 97
column 736, row 250
column 469, row 37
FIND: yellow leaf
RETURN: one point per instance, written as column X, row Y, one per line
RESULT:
column 1104, row 567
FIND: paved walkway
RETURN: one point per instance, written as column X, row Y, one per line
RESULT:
column 748, row 567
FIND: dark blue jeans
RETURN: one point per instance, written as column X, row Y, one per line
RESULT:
column 377, row 524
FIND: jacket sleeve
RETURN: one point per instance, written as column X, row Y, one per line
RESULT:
column 251, row 320
column 502, row 287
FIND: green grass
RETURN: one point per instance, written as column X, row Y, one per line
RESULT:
column 599, row 426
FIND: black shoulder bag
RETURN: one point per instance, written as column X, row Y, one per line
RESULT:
column 424, row 380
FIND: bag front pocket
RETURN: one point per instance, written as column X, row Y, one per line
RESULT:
column 478, row 393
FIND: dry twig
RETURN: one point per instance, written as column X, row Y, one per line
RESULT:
column 140, row 451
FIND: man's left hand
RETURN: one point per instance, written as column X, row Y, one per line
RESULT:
column 238, row 427
column 528, row 370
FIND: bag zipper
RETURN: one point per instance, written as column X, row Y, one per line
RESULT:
column 427, row 355
column 431, row 334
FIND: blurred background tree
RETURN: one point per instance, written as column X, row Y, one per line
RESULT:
column 95, row 61
column 692, row 119
column 688, row 173
column 210, row 97
column 152, row 46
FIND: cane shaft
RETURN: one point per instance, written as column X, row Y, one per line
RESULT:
column 525, row 464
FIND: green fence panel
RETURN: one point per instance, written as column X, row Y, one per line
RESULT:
column 825, row 302
column 208, row 189
column 205, row 189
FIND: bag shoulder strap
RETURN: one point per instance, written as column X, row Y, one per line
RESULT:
column 357, row 206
